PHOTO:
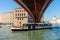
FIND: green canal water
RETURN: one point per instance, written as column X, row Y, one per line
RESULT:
column 7, row 34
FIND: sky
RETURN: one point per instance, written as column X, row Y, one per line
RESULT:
column 52, row 10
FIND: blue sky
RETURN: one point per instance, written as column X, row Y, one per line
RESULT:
column 52, row 10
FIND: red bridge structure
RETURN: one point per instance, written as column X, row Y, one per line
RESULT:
column 35, row 8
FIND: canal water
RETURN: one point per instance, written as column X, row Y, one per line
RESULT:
column 7, row 34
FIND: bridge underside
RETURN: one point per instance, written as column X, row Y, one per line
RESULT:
column 35, row 8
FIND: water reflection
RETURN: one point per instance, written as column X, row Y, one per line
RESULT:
column 53, row 34
column 36, row 35
column 7, row 34
column 30, row 35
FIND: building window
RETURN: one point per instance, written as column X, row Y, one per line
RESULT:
column 18, row 18
column 22, row 18
column 24, row 14
column 18, row 14
column 22, row 10
column 18, row 10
